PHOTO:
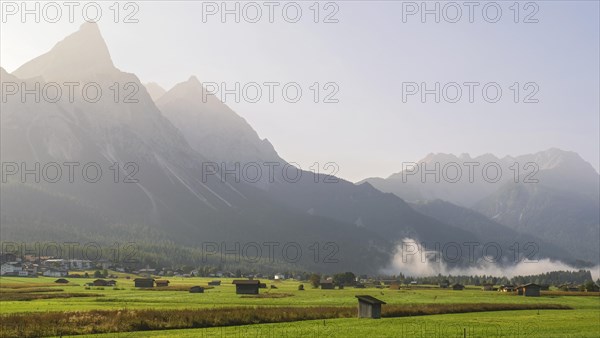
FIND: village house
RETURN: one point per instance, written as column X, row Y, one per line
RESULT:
column 23, row 273
column 34, row 258
column 246, row 286
column 506, row 288
column 144, row 282
column 279, row 276
column 55, row 273
column 7, row 257
column 56, row 263
column 147, row 271
column 569, row 287
column 104, row 263
column 369, row 307
column 10, row 268
column 79, row 264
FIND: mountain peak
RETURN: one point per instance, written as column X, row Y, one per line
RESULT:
column 194, row 91
column 193, row 80
column 6, row 76
column 193, row 86
column 80, row 54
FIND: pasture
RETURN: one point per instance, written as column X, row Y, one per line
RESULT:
column 287, row 311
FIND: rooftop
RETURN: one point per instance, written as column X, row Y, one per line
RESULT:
column 246, row 282
column 369, row 299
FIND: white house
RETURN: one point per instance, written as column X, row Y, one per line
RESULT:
column 56, row 263
column 9, row 268
column 55, row 273
column 80, row 264
column 279, row 276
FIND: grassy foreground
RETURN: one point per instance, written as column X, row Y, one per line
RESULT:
column 548, row 323
column 69, row 323
column 28, row 303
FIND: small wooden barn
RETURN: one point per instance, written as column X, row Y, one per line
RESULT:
column 487, row 287
column 100, row 282
column 369, row 307
column 162, row 283
column 531, row 290
column 246, row 286
column 196, row 289
column 327, row 285
column 144, row 282
column 458, row 287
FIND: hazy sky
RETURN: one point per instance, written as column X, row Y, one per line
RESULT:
column 369, row 54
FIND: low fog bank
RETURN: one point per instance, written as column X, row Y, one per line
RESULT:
column 417, row 265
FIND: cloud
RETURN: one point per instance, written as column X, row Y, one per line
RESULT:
column 410, row 260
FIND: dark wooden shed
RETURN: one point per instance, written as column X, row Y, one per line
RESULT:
column 369, row 307
column 487, row 287
column 327, row 285
column 246, row 286
column 458, row 287
column 196, row 289
column 100, row 282
column 144, row 282
column 531, row 290
column 162, row 283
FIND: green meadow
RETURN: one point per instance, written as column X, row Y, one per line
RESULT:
column 31, row 297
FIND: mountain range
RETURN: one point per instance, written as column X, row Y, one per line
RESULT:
column 554, row 195
column 165, row 139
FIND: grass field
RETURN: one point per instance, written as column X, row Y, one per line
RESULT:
column 583, row 320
